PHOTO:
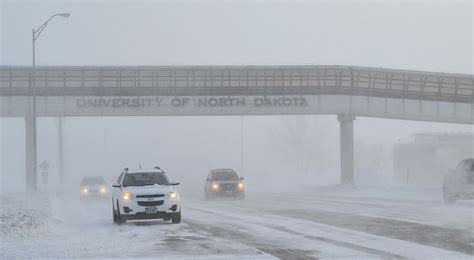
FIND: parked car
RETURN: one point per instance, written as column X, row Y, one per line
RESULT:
column 145, row 194
column 459, row 184
column 224, row 183
column 93, row 187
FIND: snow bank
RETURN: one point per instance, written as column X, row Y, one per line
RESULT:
column 23, row 215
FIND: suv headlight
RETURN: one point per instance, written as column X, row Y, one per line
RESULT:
column 127, row 196
column 172, row 194
column 241, row 185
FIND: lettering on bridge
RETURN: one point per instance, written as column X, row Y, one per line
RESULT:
column 186, row 101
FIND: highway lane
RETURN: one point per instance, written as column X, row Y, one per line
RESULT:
column 346, row 225
column 264, row 226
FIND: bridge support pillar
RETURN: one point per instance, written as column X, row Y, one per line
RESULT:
column 31, row 177
column 60, row 123
column 347, row 147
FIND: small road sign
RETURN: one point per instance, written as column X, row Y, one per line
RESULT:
column 44, row 165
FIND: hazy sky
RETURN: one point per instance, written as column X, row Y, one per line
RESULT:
column 425, row 35
column 432, row 36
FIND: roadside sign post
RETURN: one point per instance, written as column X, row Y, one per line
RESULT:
column 44, row 166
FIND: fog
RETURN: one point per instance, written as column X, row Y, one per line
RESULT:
column 277, row 154
column 277, row 151
column 431, row 36
column 424, row 35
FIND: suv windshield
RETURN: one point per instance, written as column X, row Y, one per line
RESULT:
column 93, row 181
column 225, row 176
column 145, row 178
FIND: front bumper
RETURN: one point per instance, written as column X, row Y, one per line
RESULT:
column 143, row 215
column 94, row 195
column 135, row 209
column 234, row 191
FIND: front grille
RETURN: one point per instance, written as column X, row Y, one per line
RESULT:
column 150, row 203
column 150, row 196
column 229, row 186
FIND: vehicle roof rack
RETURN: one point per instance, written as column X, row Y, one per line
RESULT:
column 158, row 168
column 126, row 169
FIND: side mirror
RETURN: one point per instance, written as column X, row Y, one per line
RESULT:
column 174, row 183
column 116, row 185
column 207, row 179
column 241, row 178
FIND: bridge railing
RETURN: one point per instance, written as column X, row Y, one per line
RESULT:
column 235, row 80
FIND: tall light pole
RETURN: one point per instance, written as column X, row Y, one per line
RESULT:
column 33, row 163
column 37, row 32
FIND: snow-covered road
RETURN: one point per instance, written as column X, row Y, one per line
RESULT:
column 313, row 224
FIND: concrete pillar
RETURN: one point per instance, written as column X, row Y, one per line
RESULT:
column 60, row 150
column 347, row 147
column 31, row 177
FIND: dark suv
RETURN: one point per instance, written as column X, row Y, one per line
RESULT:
column 93, row 187
column 224, row 183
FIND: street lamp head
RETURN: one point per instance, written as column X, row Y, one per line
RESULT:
column 65, row 15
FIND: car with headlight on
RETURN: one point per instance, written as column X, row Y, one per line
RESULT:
column 224, row 183
column 459, row 184
column 93, row 187
column 145, row 194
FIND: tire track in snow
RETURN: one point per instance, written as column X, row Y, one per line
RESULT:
column 251, row 241
column 384, row 244
column 297, row 253
column 440, row 237
column 430, row 235
column 385, row 255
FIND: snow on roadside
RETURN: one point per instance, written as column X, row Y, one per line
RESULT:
column 23, row 216
column 49, row 226
column 46, row 225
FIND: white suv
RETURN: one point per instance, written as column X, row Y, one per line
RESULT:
column 145, row 194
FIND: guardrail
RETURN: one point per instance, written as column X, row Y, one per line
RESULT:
column 235, row 80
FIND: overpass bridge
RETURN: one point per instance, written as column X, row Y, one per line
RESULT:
column 237, row 90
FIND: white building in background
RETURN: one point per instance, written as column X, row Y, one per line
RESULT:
column 426, row 160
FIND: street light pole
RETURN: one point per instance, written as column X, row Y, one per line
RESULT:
column 37, row 32
column 34, row 40
column 33, row 159
column 32, row 163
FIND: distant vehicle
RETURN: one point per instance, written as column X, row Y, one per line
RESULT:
column 224, row 183
column 460, row 183
column 93, row 187
column 145, row 194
